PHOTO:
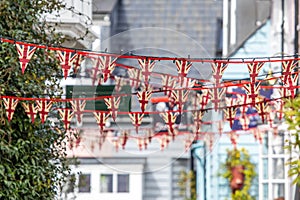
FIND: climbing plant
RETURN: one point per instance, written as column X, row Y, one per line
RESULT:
column 239, row 172
column 187, row 185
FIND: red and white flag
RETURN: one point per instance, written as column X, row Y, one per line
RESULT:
column 183, row 68
column 287, row 70
column 25, row 52
column 135, row 77
column 78, row 107
column 218, row 70
column 136, row 119
column 107, row 66
column 180, row 97
column 252, row 91
column 96, row 70
column 170, row 118
column 10, row 106
column 168, row 83
column 66, row 116
column 113, row 106
column 230, row 110
column 254, row 69
column 217, row 96
column 143, row 97
column 31, row 110
column 44, row 107
column 101, row 118
column 66, row 59
column 147, row 67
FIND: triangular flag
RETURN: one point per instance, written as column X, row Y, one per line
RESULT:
column 31, row 110
column 143, row 97
column 10, row 106
column 254, row 69
column 95, row 71
column 180, row 97
column 66, row 116
column 135, row 77
column 168, row 83
column 218, row 70
column 25, row 52
column 136, row 119
column 230, row 110
column 101, row 117
column 147, row 67
column 287, row 69
column 183, row 68
column 170, row 118
column 217, row 96
column 66, row 59
column 113, row 106
column 78, row 107
column 252, row 90
column 77, row 63
column 44, row 108
column 107, row 65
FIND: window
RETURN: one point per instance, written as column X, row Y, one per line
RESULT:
column 123, row 183
column 84, row 183
column 106, row 183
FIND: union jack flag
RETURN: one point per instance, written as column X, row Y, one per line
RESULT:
column 292, row 85
column 31, row 110
column 164, row 141
column 78, row 107
column 168, row 84
column 66, row 115
column 183, row 68
column 263, row 110
column 66, row 59
column 230, row 110
column 96, row 71
column 201, row 99
column 180, row 97
column 113, row 105
column 101, row 118
column 254, row 69
column 279, row 105
column 147, row 67
column 217, row 96
column 44, row 108
column 119, row 83
column 136, row 119
column 135, row 77
column 198, row 115
column 107, row 65
column 252, row 90
column 287, row 70
column 170, row 118
column 10, row 106
column 143, row 97
column 218, row 70
column 187, row 82
column 25, row 52
column 77, row 63
column 123, row 139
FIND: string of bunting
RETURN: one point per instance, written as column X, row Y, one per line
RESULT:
column 243, row 104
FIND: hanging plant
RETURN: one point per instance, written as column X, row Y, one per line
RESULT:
column 239, row 172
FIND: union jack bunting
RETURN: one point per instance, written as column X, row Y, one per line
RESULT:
column 102, row 138
column 78, row 108
column 242, row 102
column 119, row 83
column 66, row 59
column 141, row 143
column 44, row 108
column 101, row 117
column 168, row 83
column 230, row 110
column 183, row 68
column 95, row 71
column 164, row 141
column 113, row 106
column 66, row 116
column 292, row 85
column 287, row 70
column 170, row 118
column 254, row 69
column 217, row 96
column 10, row 106
column 252, row 91
column 198, row 115
column 25, row 52
column 143, row 97
column 136, row 119
column 202, row 99
column 263, row 110
column 180, row 96
column 147, row 67
column 218, row 70
column 77, row 63
column 187, row 83
column 123, row 139
column 107, row 65
column 135, row 77
column 233, row 138
column 279, row 105
column 31, row 110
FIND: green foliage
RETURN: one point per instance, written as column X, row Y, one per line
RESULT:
column 33, row 162
column 239, row 157
column 292, row 117
column 187, row 185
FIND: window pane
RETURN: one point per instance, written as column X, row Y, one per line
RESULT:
column 106, row 183
column 278, row 190
column 84, row 183
column 278, row 143
column 123, row 183
column 265, row 191
column 265, row 168
column 278, row 168
column 265, row 144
